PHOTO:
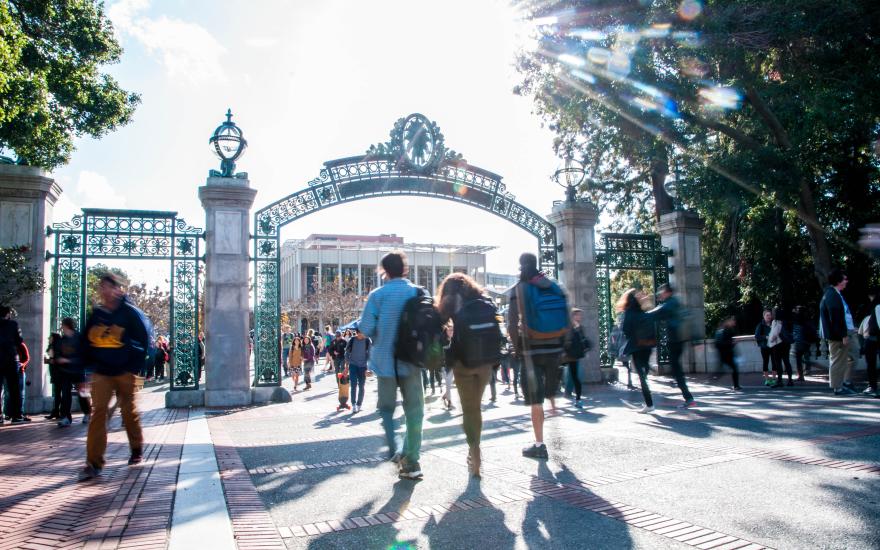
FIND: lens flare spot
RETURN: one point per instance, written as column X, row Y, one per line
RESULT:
column 598, row 56
column 693, row 67
column 619, row 63
column 687, row 39
column 459, row 189
column 586, row 77
column 572, row 60
column 656, row 31
column 690, row 9
column 589, row 34
column 720, row 97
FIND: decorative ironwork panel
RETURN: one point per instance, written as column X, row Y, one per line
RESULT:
column 129, row 234
column 267, row 313
column 625, row 252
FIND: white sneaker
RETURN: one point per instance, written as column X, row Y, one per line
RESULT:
column 355, row 409
column 64, row 422
column 646, row 410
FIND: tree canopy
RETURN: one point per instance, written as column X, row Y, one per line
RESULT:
column 51, row 85
column 763, row 113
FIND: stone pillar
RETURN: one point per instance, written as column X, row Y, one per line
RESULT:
column 27, row 197
column 681, row 232
column 227, row 203
column 575, row 231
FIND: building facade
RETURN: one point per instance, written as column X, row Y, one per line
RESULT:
column 325, row 278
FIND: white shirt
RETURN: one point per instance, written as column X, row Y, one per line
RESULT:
column 850, row 325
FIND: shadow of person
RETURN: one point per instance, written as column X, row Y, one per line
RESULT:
column 473, row 528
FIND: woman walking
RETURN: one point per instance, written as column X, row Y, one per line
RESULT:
column 638, row 327
column 779, row 348
column 295, row 360
column 803, row 334
column 309, row 356
column 161, row 358
column 68, row 359
column 762, row 333
column 476, row 349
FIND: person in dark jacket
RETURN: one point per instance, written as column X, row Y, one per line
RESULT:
column 871, row 334
column 115, row 346
column 724, row 344
column 51, row 352
column 10, row 343
column 837, row 326
column 641, row 338
column 670, row 311
column 762, row 334
column 71, row 373
column 804, row 334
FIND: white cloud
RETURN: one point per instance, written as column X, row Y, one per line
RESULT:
column 260, row 42
column 187, row 50
column 93, row 190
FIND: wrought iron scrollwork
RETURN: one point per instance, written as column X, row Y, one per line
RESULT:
column 129, row 234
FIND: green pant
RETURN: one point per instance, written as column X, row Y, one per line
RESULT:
column 471, row 383
column 413, row 410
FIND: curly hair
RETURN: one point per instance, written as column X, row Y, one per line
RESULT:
column 456, row 289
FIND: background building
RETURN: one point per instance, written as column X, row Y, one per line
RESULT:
column 325, row 278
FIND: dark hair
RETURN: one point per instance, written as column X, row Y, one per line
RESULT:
column 665, row 287
column 68, row 322
column 112, row 279
column 779, row 314
column 528, row 266
column 456, row 284
column 394, row 264
column 5, row 311
column 628, row 301
column 836, row 276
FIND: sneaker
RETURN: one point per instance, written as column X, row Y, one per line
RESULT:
column 646, row 410
column 737, row 388
column 64, row 422
column 136, row 457
column 89, row 472
column 687, row 404
column 849, row 385
column 578, row 403
column 396, row 458
column 777, row 384
column 844, row 391
column 409, row 470
column 86, row 418
column 869, row 391
column 768, row 381
column 18, row 420
column 535, row 451
column 52, row 416
column 25, row 418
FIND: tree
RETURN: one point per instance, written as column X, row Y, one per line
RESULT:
column 767, row 110
column 51, row 86
column 19, row 279
column 155, row 302
column 93, row 277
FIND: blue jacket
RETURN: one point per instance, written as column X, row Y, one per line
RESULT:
column 380, row 321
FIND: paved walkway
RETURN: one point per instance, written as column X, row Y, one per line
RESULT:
column 793, row 468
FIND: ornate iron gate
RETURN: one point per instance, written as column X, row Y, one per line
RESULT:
column 129, row 235
column 413, row 162
column 628, row 252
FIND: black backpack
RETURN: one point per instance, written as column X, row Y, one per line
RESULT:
column 477, row 338
column 576, row 344
column 419, row 333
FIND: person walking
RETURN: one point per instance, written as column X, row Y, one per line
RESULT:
column 448, row 362
column 295, row 360
column 336, row 351
column 870, row 331
column 201, row 357
column 116, row 344
column 309, row 357
column 804, row 335
column 54, row 379
column 724, row 343
column 641, row 338
column 161, row 358
column 286, row 342
column 670, row 310
column 837, row 327
column 357, row 356
column 780, row 340
column 71, row 373
column 380, row 322
column 762, row 333
column 476, row 349
column 577, row 346
column 539, row 347
column 10, row 367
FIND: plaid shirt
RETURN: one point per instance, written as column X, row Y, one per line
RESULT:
column 379, row 322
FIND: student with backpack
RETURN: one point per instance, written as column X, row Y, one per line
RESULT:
column 357, row 355
column 641, row 338
column 538, row 320
column 309, row 356
column 576, row 346
column 396, row 317
column 804, row 335
column 476, row 349
column 724, row 344
column 670, row 310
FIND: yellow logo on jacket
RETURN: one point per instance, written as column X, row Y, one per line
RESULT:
column 102, row 336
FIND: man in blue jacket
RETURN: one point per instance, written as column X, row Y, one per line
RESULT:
column 115, row 348
column 837, row 326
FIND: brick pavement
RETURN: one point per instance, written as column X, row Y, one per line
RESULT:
column 42, row 506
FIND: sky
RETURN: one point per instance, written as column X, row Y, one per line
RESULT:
column 311, row 81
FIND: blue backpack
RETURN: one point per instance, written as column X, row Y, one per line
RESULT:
column 546, row 311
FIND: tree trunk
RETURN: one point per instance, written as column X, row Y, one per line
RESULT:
column 662, row 200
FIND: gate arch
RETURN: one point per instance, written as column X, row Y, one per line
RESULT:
column 413, row 162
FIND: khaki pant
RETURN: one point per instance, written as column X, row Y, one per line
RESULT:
column 471, row 383
column 103, row 388
column 843, row 359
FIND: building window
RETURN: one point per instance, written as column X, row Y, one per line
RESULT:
column 368, row 279
column 442, row 273
column 311, row 279
column 329, row 274
column 424, row 278
column 350, row 278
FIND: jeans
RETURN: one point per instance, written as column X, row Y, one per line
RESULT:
column 413, row 410
column 641, row 358
column 765, row 359
column 728, row 359
column 678, row 370
column 471, row 383
column 11, row 377
column 308, row 367
column 802, row 357
column 575, row 378
column 65, row 384
column 285, row 354
column 515, row 366
column 493, row 380
column 781, row 353
column 872, row 349
column 103, row 388
column 358, row 377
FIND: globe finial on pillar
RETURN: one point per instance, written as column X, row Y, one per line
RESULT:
column 228, row 143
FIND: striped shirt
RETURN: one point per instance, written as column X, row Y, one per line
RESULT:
column 380, row 321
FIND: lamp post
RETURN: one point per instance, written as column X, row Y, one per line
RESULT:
column 673, row 186
column 228, row 143
column 570, row 177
